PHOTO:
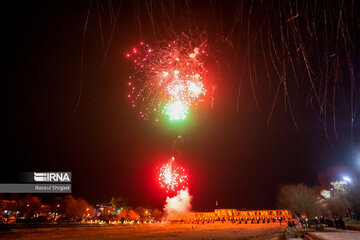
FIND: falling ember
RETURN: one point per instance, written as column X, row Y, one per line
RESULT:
column 168, row 75
column 172, row 177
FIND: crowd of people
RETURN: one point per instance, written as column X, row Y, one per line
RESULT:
column 338, row 223
column 320, row 223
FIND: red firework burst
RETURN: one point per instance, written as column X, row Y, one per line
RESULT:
column 172, row 177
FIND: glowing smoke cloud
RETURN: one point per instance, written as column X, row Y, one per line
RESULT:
column 179, row 204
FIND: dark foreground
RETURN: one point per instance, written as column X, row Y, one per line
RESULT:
column 154, row 231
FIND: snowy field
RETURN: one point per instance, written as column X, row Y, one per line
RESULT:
column 155, row 231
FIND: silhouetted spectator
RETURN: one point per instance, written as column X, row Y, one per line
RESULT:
column 336, row 222
column 342, row 224
column 330, row 223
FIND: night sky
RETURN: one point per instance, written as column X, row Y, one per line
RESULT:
column 232, row 156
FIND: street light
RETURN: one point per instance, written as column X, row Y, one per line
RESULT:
column 347, row 179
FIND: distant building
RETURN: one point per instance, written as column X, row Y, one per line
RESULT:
column 255, row 216
column 104, row 208
column 7, row 203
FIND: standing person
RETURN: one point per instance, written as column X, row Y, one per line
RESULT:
column 331, row 223
column 342, row 224
column 290, row 224
column 336, row 222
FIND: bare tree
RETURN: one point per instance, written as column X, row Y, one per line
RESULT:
column 118, row 202
column 133, row 215
column 353, row 198
column 140, row 211
column 124, row 214
column 337, row 203
column 344, row 199
column 29, row 205
column 301, row 200
column 58, row 206
column 2, row 204
column 157, row 214
column 76, row 208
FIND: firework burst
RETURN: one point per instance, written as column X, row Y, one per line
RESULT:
column 172, row 177
column 168, row 78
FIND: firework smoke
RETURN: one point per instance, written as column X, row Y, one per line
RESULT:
column 179, row 204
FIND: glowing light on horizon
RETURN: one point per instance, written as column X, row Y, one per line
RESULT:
column 347, row 179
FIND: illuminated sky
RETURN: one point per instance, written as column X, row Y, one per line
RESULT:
column 231, row 156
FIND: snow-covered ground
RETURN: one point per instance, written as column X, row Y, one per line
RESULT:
column 153, row 231
column 338, row 235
